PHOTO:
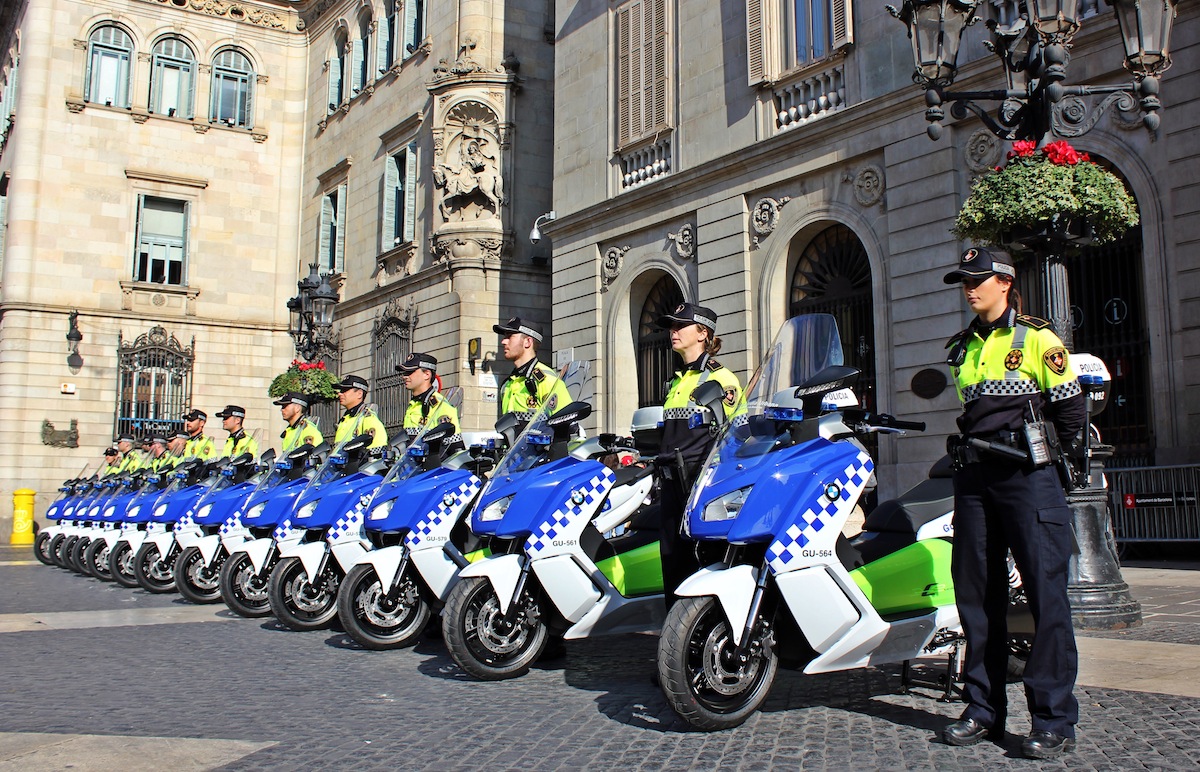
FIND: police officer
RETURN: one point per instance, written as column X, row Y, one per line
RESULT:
column 160, row 460
column 686, row 430
column 177, row 444
column 131, row 460
column 358, row 418
column 427, row 407
column 238, row 442
column 197, row 445
column 531, row 382
column 1016, row 385
column 112, row 461
column 300, row 430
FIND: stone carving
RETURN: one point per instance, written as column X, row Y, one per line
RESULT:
column 483, row 247
column 611, row 265
column 260, row 17
column 765, row 216
column 868, row 185
column 982, row 151
column 471, row 185
column 685, row 241
column 60, row 438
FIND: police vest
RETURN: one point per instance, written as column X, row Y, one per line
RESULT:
column 361, row 421
column 236, row 447
column 303, row 433
column 200, row 447
column 528, row 388
column 426, row 412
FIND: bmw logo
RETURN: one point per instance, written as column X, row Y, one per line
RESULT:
column 448, row 500
column 832, row 491
column 577, row 497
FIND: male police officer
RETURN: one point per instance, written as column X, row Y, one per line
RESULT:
column 112, row 461
column 358, row 418
column 176, row 445
column 130, row 461
column 427, row 407
column 531, row 382
column 238, row 441
column 197, row 446
column 293, row 406
column 160, row 460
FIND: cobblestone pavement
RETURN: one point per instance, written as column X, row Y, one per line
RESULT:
column 276, row 699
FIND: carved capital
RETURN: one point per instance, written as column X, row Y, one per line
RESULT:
column 200, row 128
column 139, row 115
column 258, row 136
column 75, row 104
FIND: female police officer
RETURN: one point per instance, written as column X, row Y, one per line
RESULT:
column 1016, row 386
column 686, row 430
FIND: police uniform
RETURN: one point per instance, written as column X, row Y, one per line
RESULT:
column 429, row 408
column 113, row 462
column 303, row 431
column 1008, row 373
column 359, row 419
column 530, row 385
column 131, row 461
column 237, row 442
column 197, row 445
column 686, row 429
column 164, row 461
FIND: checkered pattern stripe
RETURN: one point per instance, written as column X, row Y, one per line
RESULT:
column 231, row 522
column 1065, row 390
column 681, row 413
column 525, row 416
column 569, row 511
column 820, row 512
column 156, row 528
column 437, row 517
column 185, row 521
column 1000, row 389
column 412, row 431
column 283, row 530
column 349, row 526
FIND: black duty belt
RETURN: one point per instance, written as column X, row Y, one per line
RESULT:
column 995, row 446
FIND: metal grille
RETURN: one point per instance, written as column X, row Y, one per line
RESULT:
column 391, row 342
column 1155, row 504
column 656, row 362
column 154, row 383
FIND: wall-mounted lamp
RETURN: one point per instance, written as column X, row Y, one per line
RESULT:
column 535, row 235
column 474, row 347
column 74, row 338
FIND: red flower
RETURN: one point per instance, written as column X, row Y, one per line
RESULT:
column 1061, row 153
column 1022, row 148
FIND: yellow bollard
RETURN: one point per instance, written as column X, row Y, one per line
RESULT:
column 22, row 532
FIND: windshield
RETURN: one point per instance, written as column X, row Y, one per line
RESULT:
column 530, row 447
column 333, row 468
column 804, row 346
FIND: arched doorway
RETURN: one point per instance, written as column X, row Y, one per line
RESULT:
column 832, row 275
column 656, row 362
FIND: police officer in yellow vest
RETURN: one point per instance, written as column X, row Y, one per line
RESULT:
column 427, row 407
column 131, row 460
column 112, row 461
column 300, row 430
column 358, row 418
column 238, row 442
column 1018, row 392
column 531, row 382
column 197, row 445
column 160, row 459
column 686, row 430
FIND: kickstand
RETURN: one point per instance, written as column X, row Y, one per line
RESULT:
column 948, row 682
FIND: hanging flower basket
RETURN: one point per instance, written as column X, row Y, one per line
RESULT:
column 312, row 380
column 1054, row 194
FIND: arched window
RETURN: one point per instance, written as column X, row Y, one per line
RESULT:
column 362, row 54
column 154, row 383
column 656, row 362
column 391, row 342
column 233, row 81
column 110, row 51
column 338, row 71
column 172, row 78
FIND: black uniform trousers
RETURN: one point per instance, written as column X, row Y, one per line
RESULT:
column 678, row 553
column 1000, row 506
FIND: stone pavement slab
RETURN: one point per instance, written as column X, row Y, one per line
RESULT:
column 99, row 753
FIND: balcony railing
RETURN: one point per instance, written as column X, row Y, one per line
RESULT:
column 809, row 96
column 643, row 163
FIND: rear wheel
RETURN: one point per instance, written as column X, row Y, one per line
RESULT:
column 708, row 682
column 379, row 621
column 243, row 590
column 120, row 564
column 41, row 548
column 96, row 560
column 75, row 558
column 483, row 640
column 153, row 573
column 64, row 551
column 301, row 604
column 196, row 581
column 54, row 548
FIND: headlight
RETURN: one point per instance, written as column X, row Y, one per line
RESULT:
column 381, row 511
column 495, row 510
column 255, row 511
column 134, row 511
column 725, row 507
column 204, row 510
column 307, row 510
column 160, row 510
column 109, row 512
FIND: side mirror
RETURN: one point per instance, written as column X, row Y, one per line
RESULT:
column 267, row 456
column 710, row 395
column 571, row 414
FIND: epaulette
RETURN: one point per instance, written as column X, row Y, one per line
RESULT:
column 539, row 372
column 957, row 337
column 434, row 400
column 1035, row 322
column 713, row 364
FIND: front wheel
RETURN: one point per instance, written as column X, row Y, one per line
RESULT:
column 376, row 619
column 64, row 551
column 54, row 548
column 483, row 640
column 708, row 682
column 120, row 564
column 298, row 603
column 96, row 560
column 196, row 581
column 243, row 590
column 152, row 573
column 75, row 558
column 41, row 548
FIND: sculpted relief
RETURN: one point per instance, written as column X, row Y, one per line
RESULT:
column 467, row 170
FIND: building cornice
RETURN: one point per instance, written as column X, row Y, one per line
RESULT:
column 276, row 16
column 134, row 316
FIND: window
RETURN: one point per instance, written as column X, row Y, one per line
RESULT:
column 641, row 69
column 8, row 102
column 785, row 34
column 414, row 27
column 331, row 241
column 232, row 90
column 391, row 342
column 656, row 361
column 385, row 46
column 337, row 72
column 362, row 55
column 109, row 53
column 172, row 78
column 3, row 217
column 162, row 241
column 154, row 376
column 399, row 199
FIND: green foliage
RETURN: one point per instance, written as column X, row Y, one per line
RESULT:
column 311, row 379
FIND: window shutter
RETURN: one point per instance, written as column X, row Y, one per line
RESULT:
column 123, row 85
column 657, row 38
column 410, row 28
column 183, row 249
column 755, row 48
column 637, row 70
column 327, row 220
column 356, row 66
column 388, row 234
column 383, row 42
column 335, row 83
column 842, row 18
column 247, row 99
column 339, row 255
column 624, row 46
column 3, row 225
column 410, row 194
column 189, row 92
column 137, row 245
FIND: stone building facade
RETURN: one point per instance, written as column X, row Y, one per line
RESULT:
column 768, row 158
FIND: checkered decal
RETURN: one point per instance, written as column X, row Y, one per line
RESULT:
column 681, row 413
column 231, row 523
column 184, row 522
column 1065, row 390
column 569, row 511
column 999, row 389
column 786, row 547
column 283, row 530
column 463, row 493
column 349, row 527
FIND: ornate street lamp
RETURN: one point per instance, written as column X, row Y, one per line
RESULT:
column 311, row 313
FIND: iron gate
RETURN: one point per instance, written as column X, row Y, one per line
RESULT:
column 154, row 383
column 391, row 342
column 656, row 361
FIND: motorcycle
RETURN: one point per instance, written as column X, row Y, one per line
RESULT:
column 138, row 521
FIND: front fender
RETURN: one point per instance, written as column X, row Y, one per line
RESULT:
column 732, row 587
column 502, row 571
column 386, row 562
column 310, row 555
column 208, row 546
column 163, row 542
column 258, row 551
column 134, row 539
column 348, row 553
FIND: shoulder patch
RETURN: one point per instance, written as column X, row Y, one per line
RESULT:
column 731, row 397
column 1035, row 322
column 713, row 365
column 1056, row 360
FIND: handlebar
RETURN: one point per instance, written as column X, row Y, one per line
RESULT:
column 881, row 420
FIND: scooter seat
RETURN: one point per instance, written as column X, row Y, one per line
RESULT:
column 628, row 474
column 924, row 502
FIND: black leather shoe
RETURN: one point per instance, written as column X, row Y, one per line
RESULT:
column 968, row 731
column 1046, row 745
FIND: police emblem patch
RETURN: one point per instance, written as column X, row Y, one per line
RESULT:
column 1014, row 359
column 445, row 419
column 531, row 401
column 970, row 255
column 730, row 397
column 1056, row 360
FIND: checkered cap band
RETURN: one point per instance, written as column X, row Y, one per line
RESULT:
column 1065, row 391
column 442, row 516
column 1000, row 389
column 569, row 512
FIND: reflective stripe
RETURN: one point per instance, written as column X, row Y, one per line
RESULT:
column 1005, row 388
column 682, row 412
column 1065, row 391
column 1018, row 344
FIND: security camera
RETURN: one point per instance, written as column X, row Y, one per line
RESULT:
column 535, row 235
